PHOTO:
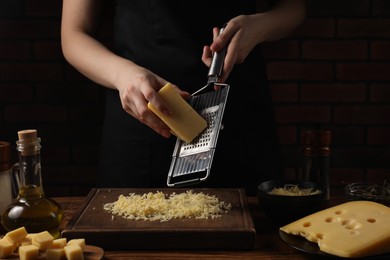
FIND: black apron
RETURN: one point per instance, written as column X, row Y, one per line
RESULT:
column 167, row 37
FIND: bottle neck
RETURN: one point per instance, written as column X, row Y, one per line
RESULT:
column 29, row 167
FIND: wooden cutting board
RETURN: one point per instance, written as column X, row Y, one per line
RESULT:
column 233, row 231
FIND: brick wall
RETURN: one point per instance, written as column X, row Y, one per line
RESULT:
column 333, row 72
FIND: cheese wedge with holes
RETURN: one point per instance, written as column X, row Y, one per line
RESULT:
column 185, row 122
column 352, row 229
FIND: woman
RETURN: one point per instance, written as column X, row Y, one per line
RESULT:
column 158, row 41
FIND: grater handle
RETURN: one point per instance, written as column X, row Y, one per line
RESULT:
column 215, row 69
column 216, row 65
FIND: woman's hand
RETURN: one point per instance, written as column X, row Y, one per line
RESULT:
column 138, row 88
column 242, row 33
column 136, row 85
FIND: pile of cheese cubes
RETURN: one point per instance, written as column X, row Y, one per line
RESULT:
column 34, row 245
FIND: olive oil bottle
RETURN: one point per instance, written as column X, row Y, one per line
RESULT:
column 31, row 208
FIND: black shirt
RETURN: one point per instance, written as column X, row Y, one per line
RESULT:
column 167, row 37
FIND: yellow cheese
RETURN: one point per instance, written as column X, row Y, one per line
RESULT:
column 184, row 122
column 28, row 252
column 27, row 240
column 16, row 235
column 40, row 245
column 55, row 254
column 351, row 229
column 42, row 240
column 6, row 247
column 58, row 243
column 78, row 241
column 73, row 252
column 161, row 207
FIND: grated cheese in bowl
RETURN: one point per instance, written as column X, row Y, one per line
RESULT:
column 157, row 206
column 293, row 190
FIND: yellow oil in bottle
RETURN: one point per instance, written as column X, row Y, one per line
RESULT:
column 31, row 209
column 34, row 211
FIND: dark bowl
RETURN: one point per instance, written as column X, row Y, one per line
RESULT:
column 372, row 191
column 283, row 209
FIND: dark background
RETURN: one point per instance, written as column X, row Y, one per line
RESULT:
column 333, row 72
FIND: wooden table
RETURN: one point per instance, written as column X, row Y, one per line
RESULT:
column 268, row 243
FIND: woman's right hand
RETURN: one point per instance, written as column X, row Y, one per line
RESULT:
column 136, row 89
column 136, row 85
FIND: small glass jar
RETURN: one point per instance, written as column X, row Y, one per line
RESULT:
column 31, row 208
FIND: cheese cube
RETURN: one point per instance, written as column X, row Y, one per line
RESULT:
column 16, row 235
column 58, row 243
column 351, row 229
column 27, row 240
column 6, row 247
column 78, row 241
column 28, row 252
column 184, row 122
column 55, row 254
column 42, row 240
column 73, row 252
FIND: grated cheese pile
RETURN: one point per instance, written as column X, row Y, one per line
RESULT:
column 293, row 190
column 158, row 206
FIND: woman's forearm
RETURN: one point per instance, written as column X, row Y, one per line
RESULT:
column 92, row 58
column 282, row 19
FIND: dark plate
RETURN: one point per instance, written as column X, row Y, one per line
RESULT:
column 302, row 244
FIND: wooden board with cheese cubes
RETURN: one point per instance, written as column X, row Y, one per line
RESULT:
column 19, row 244
column 353, row 229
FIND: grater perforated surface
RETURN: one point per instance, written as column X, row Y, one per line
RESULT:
column 191, row 162
column 204, row 141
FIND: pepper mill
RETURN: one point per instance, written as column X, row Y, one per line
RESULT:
column 316, row 158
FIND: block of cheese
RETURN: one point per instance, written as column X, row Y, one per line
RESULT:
column 6, row 247
column 73, row 252
column 16, row 235
column 27, row 240
column 59, row 243
column 185, row 122
column 55, row 254
column 351, row 229
column 42, row 240
column 28, row 252
column 78, row 241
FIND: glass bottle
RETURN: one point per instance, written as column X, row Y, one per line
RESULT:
column 31, row 208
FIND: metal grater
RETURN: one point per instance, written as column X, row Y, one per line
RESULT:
column 191, row 162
